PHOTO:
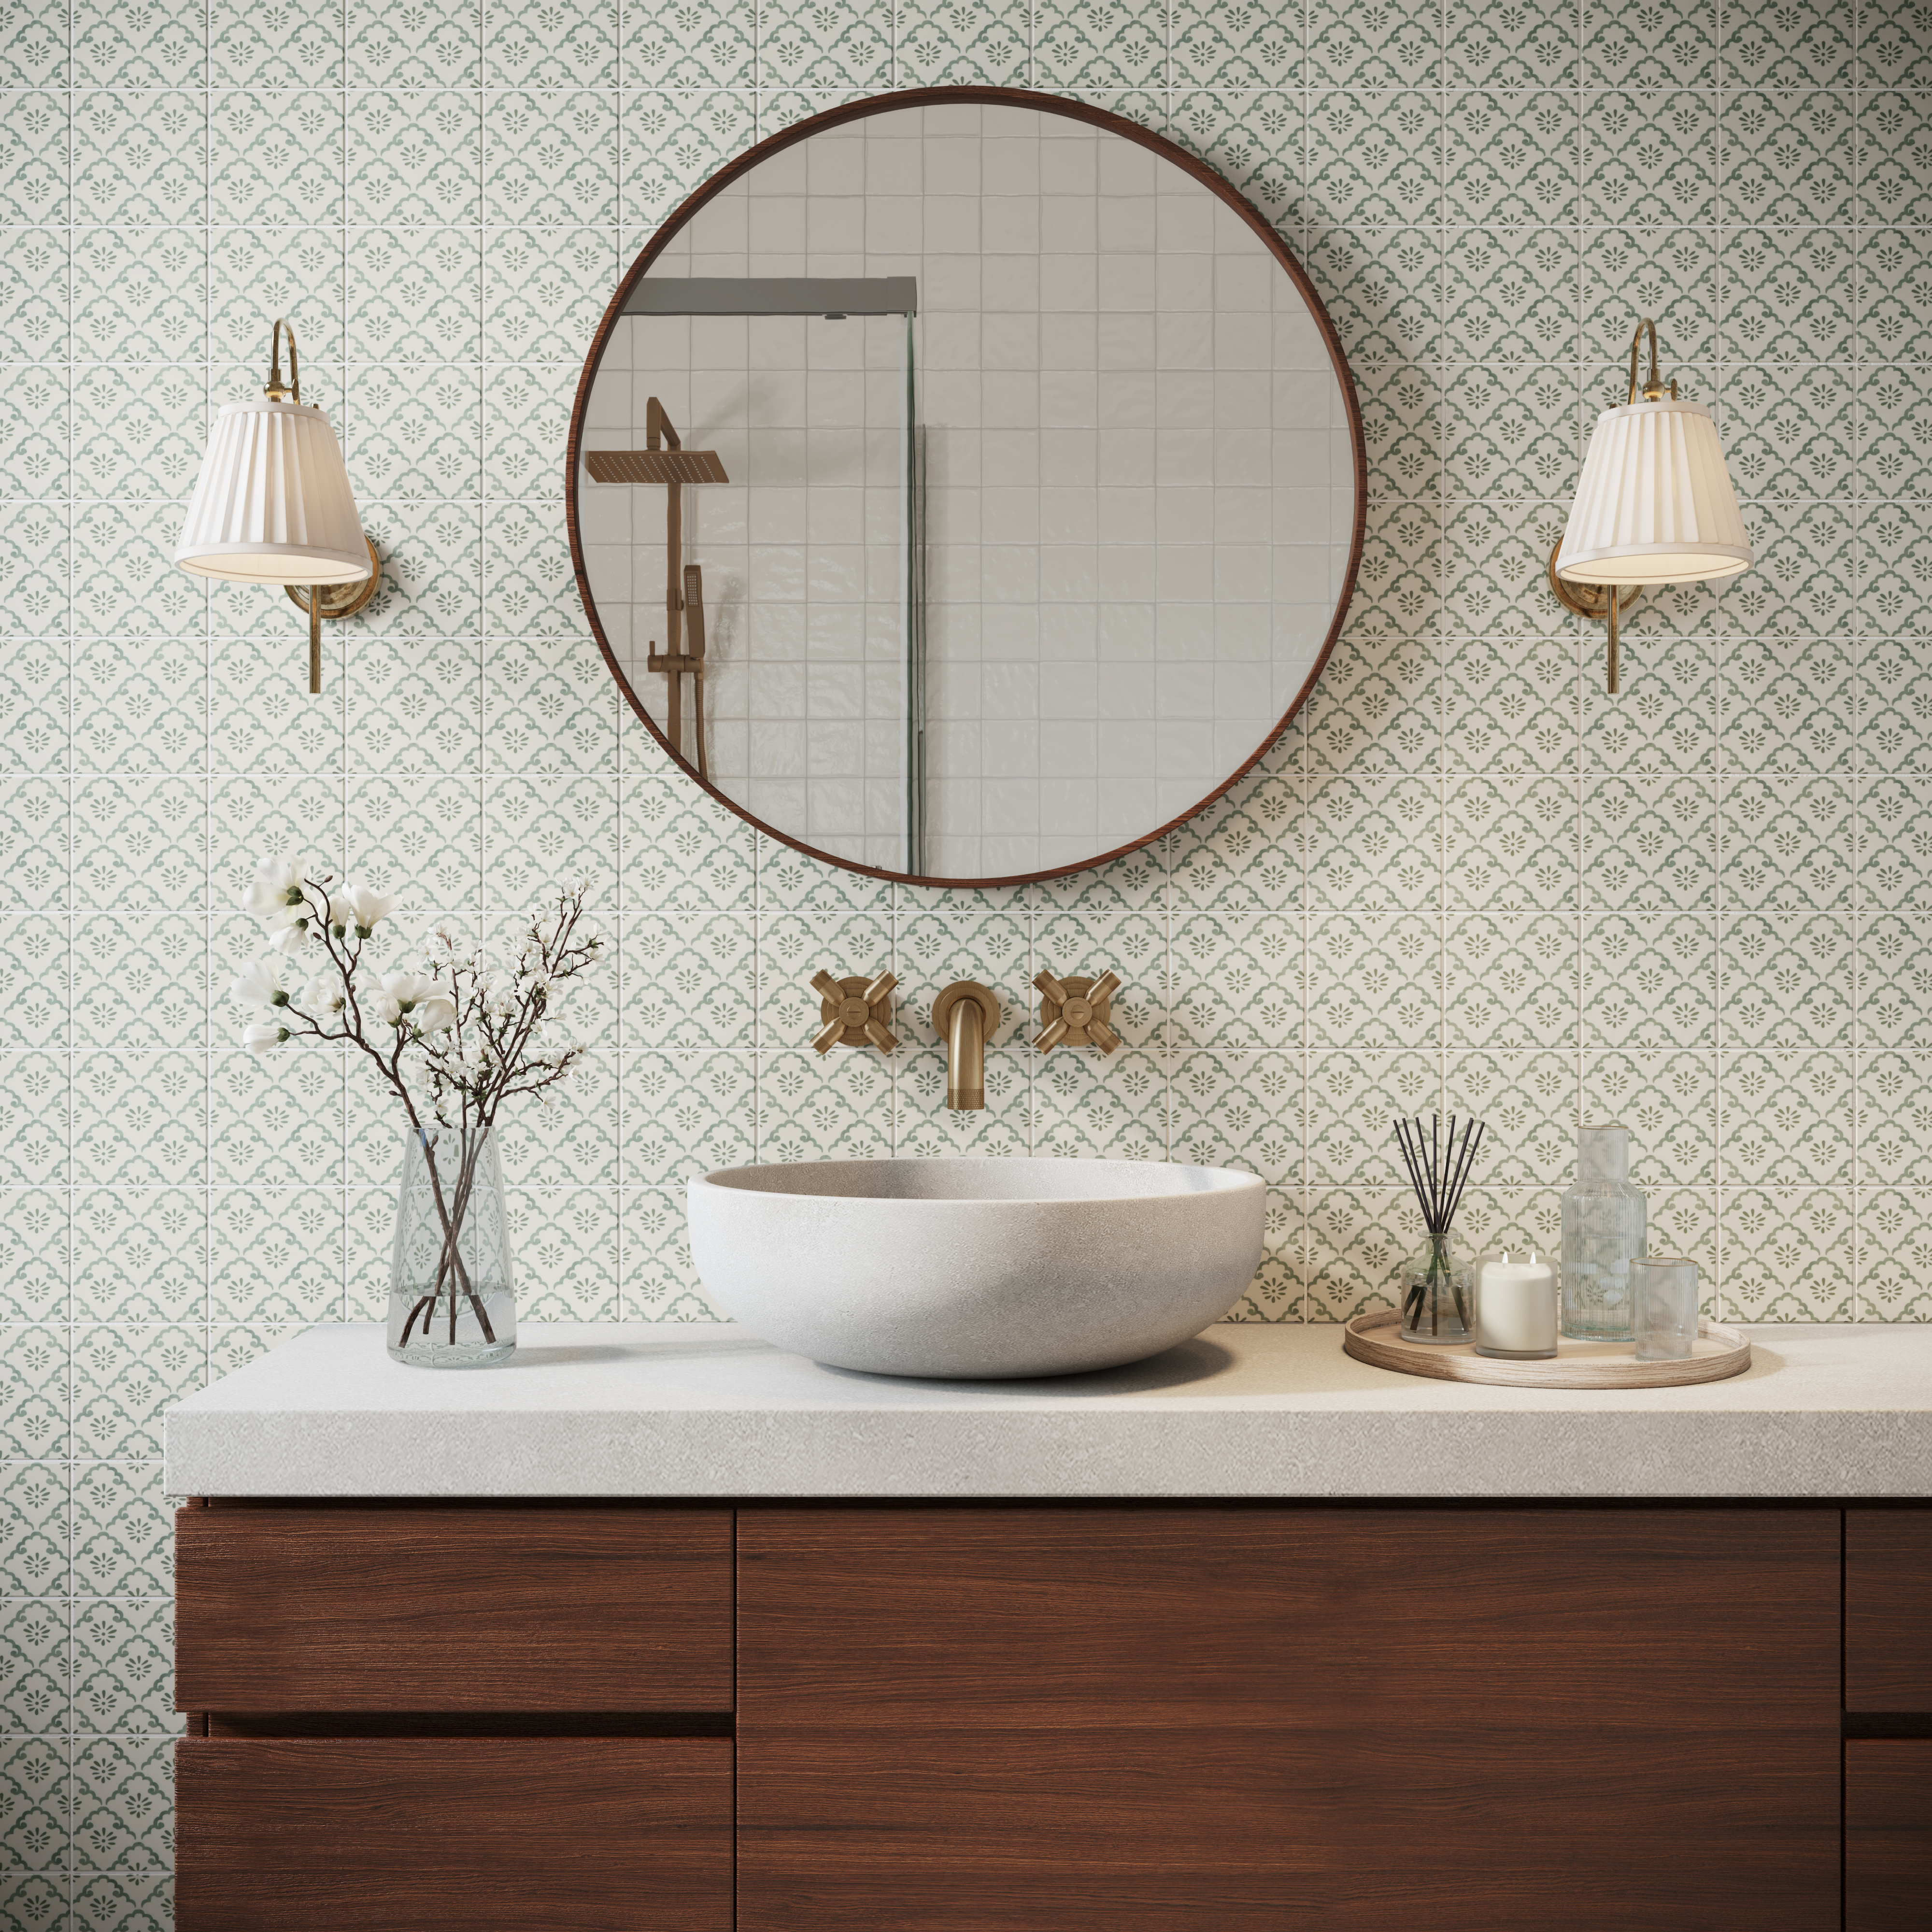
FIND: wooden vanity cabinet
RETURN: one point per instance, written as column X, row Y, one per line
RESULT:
column 1012, row 1717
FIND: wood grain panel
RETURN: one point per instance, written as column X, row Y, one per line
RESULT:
column 425, row 1834
column 1888, row 1836
column 1049, row 1719
column 543, row 1608
column 1888, row 1610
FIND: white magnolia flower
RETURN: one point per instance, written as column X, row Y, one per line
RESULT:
column 361, row 908
column 276, row 887
column 262, row 1035
column 291, row 937
column 416, row 997
column 323, row 995
column 260, row 984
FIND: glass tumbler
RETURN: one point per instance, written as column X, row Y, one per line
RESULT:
column 1666, row 1307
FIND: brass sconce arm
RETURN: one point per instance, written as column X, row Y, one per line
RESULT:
column 855, row 1011
column 1075, row 1011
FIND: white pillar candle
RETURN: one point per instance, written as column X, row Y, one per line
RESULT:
column 1516, row 1306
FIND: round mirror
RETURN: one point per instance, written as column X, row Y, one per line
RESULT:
column 966, row 485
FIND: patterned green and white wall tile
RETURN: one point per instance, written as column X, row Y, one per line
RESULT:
column 1466, row 876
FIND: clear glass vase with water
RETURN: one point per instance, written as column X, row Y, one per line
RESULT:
column 452, row 1299
column 1604, row 1232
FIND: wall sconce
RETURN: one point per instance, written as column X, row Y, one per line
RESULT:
column 273, row 506
column 1655, row 505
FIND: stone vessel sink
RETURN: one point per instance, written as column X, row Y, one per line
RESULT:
column 991, row 1268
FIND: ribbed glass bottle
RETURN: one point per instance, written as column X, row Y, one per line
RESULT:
column 1603, row 1232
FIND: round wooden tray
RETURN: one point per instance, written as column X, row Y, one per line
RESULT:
column 1718, row 1352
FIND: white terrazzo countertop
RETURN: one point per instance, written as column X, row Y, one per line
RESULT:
column 643, row 1409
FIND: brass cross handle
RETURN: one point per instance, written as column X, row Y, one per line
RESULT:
column 1074, row 1011
column 854, row 1010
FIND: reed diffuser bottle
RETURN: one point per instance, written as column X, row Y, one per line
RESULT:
column 1435, row 1285
column 1603, row 1232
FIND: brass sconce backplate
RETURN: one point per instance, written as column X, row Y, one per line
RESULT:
column 1597, row 602
column 342, row 600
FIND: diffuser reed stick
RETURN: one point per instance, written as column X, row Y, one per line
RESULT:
column 1438, row 1170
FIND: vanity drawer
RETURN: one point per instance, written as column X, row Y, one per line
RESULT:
column 1888, row 1841
column 1888, row 1609
column 497, row 1608
column 390, row 1834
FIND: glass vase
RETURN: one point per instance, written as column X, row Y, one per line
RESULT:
column 1435, row 1293
column 1604, row 1232
column 452, row 1301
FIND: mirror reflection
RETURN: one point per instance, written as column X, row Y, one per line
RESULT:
column 966, row 491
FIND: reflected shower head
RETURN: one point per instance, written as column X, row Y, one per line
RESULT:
column 654, row 465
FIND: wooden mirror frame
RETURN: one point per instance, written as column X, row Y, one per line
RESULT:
column 945, row 97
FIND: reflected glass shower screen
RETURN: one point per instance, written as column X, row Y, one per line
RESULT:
column 812, row 555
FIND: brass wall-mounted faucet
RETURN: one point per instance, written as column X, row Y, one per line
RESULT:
column 965, row 1015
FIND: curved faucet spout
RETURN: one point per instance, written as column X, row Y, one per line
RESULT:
column 965, row 1015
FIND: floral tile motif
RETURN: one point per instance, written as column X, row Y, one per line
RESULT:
column 1375, row 981
column 1788, row 1254
column 1510, row 294
column 1649, row 845
column 1785, row 1119
column 1244, row 852
column 567, row 1253
column 1240, row 1110
column 1398, row 45
column 1894, row 569
column 1511, row 844
column 1893, row 1119
column 1788, row 295
column 1783, row 846
column 275, row 1253
column 1374, row 844
column 686, row 1113
column 1528, row 1103
column 1675, row 42
column 123, row 1653
column 1669, row 1100
column 1518, row 48
column 809, row 1107
column 123, row 1379
column 1893, row 983
column 34, row 1661
column 1789, row 159
column 138, row 157
column 37, row 1509
column 1236, row 983
column 1510, row 160
column 1893, row 1250
column 36, row 1114
column 943, row 43
column 35, row 1826
column 1095, row 46
column 561, row 46
column 275, row 155
column 1895, row 146
column 35, row 265
column 699, row 43
column 123, row 1811
column 436, row 45
column 550, row 158
column 1354, row 1100
column 1083, row 1107
column 1785, row 982
column 1649, row 982
column 1509, row 981
column 140, row 1254
column 140, row 1120
column 689, row 984
column 34, row 1225
column 1796, row 47
column 35, row 707
column 1374, row 160
column 267, row 47
column 34, row 51
column 1359, row 1245
column 123, row 1531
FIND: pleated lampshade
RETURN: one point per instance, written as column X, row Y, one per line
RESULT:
column 1655, row 504
column 272, row 504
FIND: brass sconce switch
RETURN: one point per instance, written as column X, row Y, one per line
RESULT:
column 855, row 1011
column 1074, row 1011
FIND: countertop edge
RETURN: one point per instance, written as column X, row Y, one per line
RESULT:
column 786, row 1454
